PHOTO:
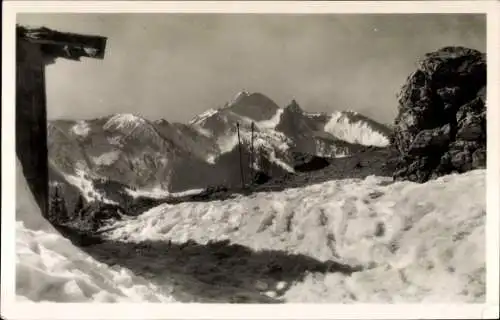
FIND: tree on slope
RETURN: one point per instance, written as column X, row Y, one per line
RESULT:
column 58, row 212
column 78, row 206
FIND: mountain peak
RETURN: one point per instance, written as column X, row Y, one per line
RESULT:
column 245, row 98
column 255, row 106
column 123, row 120
column 162, row 122
column 238, row 97
column 294, row 106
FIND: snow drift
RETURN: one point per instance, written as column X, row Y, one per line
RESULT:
column 399, row 242
column 413, row 242
column 50, row 268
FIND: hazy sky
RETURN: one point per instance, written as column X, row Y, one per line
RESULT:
column 174, row 66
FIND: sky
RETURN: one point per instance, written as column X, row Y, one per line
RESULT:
column 175, row 66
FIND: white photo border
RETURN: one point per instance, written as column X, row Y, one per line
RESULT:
column 25, row 310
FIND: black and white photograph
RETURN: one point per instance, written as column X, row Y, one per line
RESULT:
column 250, row 157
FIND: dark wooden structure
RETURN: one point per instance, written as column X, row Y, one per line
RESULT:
column 35, row 48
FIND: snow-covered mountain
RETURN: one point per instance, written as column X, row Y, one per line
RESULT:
column 159, row 155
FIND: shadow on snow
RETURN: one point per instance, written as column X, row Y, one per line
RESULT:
column 216, row 272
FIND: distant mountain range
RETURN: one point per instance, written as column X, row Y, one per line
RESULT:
column 164, row 157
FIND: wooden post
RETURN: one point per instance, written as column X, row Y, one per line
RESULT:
column 252, row 156
column 31, row 121
column 35, row 49
column 241, row 156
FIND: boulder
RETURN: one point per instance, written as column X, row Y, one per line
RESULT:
column 260, row 178
column 441, row 123
column 304, row 162
column 95, row 215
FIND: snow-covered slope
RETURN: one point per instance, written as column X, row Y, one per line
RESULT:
column 81, row 128
column 124, row 121
column 349, row 240
column 413, row 242
column 203, row 116
column 86, row 187
column 50, row 268
column 27, row 210
column 354, row 128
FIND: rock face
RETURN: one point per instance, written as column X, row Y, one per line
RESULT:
column 441, row 124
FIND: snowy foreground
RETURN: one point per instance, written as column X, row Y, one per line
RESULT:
column 365, row 240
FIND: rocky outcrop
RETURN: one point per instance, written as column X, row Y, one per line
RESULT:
column 95, row 215
column 441, row 123
column 307, row 162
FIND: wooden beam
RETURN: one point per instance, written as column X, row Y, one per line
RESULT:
column 64, row 44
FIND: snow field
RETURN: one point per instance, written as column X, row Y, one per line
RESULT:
column 158, row 193
column 415, row 242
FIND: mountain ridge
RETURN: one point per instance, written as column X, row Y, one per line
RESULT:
column 149, row 154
